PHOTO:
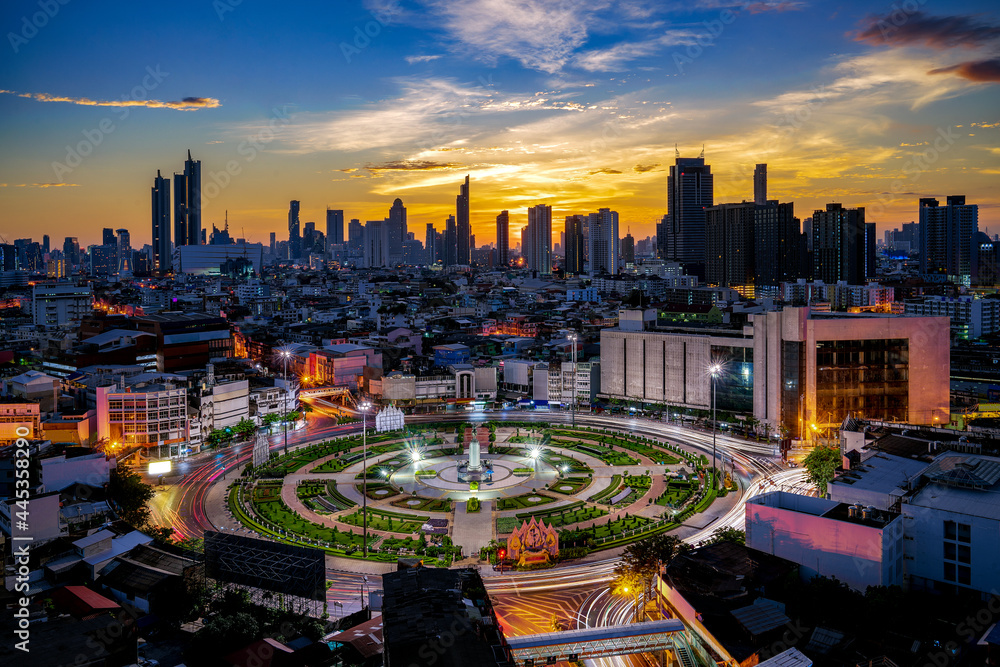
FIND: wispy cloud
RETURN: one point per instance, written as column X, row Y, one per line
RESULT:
column 411, row 165
column 421, row 59
column 185, row 104
column 39, row 185
column 616, row 58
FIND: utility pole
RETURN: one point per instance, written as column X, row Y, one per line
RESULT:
column 363, row 407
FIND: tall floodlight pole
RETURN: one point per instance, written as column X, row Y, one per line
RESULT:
column 572, row 338
column 715, row 369
column 364, row 407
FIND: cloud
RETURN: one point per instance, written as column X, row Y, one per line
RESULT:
column 604, row 170
column 421, row 59
column 643, row 168
column 614, row 59
column 185, row 104
column 39, row 185
column 981, row 71
column 540, row 34
column 919, row 28
column 411, row 165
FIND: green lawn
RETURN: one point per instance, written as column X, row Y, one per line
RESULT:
column 426, row 504
column 522, row 502
column 616, row 481
column 574, row 485
column 387, row 521
column 373, row 489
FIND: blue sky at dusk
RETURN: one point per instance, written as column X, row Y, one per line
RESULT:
column 573, row 104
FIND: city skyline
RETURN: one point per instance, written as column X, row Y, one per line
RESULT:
column 576, row 108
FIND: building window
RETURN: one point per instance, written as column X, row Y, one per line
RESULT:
column 958, row 552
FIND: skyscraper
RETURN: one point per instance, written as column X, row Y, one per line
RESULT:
column 946, row 237
column 45, row 243
column 376, row 248
column 161, row 223
column 729, row 237
column 334, row 226
column 628, row 249
column 503, row 238
column 843, row 245
column 125, row 258
column 450, row 242
column 575, row 244
column 430, row 245
column 760, row 184
column 187, row 204
column 108, row 237
column 355, row 238
column 396, row 232
column 273, row 239
column 463, row 230
column 680, row 235
column 294, row 237
column 71, row 250
column 602, row 238
column 538, row 239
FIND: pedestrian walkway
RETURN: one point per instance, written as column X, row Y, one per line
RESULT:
column 473, row 531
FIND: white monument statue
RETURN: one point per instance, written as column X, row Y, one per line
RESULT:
column 474, row 463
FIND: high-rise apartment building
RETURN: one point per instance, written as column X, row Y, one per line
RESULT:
column 603, row 241
column 430, row 245
column 108, row 237
column 126, row 259
column 760, row 184
column 680, row 235
column 161, row 223
column 462, row 226
column 537, row 239
column 575, row 244
column 294, row 235
column 503, row 238
column 396, row 231
column 376, row 248
column 334, row 226
column 187, row 204
column 729, row 237
column 450, row 241
column 843, row 245
column 946, row 237
column 628, row 249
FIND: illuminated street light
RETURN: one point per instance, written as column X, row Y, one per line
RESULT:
column 714, row 369
column 364, row 407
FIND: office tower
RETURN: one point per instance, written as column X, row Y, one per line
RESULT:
column 334, row 226
column 628, row 249
column 126, row 260
column 538, row 237
column 840, row 245
column 273, row 239
column 946, row 237
column 29, row 255
column 71, row 250
column 503, row 238
column 729, row 237
column 430, row 245
column 450, row 241
column 103, row 260
column 680, row 235
column 396, row 232
column 376, row 248
column 8, row 257
column 602, row 237
column 294, row 238
column 45, row 244
column 463, row 230
column 161, row 223
column 187, row 204
column 760, row 184
column 355, row 238
column 985, row 260
column 778, row 244
column 574, row 244
column 108, row 237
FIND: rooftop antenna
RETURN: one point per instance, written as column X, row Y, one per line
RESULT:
column 702, row 156
column 227, row 220
column 677, row 153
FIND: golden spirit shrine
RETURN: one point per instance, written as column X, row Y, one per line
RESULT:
column 533, row 542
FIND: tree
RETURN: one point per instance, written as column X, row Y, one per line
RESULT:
column 821, row 464
column 245, row 428
column 728, row 535
column 131, row 494
column 641, row 561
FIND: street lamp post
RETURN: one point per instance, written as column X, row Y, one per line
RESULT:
column 714, row 370
column 284, row 403
column 364, row 407
column 572, row 338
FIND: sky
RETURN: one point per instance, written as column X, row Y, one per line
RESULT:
column 579, row 105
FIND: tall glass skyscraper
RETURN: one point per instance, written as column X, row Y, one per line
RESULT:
column 463, row 228
column 161, row 223
column 187, row 204
column 946, row 237
column 294, row 237
column 680, row 236
column 503, row 238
